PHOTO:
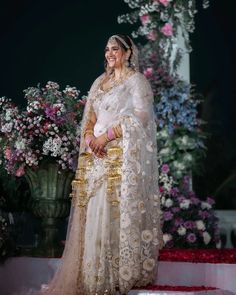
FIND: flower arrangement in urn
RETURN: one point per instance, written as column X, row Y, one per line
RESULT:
column 48, row 128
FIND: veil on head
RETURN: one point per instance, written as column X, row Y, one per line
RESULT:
column 134, row 57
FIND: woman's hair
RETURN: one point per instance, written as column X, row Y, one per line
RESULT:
column 127, row 41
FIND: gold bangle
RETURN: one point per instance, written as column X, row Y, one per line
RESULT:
column 106, row 137
column 89, row 131
column 119, row 130
column 115, row 132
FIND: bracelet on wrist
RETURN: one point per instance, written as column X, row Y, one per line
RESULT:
column 88, row 132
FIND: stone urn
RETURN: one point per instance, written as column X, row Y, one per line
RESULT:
column 50, row 189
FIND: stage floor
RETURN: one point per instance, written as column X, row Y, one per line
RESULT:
column 19, row 275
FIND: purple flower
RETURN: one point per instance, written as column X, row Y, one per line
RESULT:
column 189, row 224
column 210, row 200
column 59, row 121
column 178, row 221
column 203, row 214
column 195, row 200
column 181, row 198
column 167, row 215
column 175, row 209
column 174, row 191
column 50, row 113
column 191, row 238
column 165, row 168
column 169, row 244
column 186, row 181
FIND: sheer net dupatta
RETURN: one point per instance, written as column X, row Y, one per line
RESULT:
column 68, row 279
column 140, row 215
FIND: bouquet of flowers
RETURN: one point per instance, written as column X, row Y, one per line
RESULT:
column 48, row 128
column 188, row 222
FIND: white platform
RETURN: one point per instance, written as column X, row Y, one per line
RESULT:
column 20, row 274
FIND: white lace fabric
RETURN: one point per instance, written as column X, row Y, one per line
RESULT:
column 116, row 246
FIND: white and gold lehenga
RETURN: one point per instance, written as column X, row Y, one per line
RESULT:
column 114, row 229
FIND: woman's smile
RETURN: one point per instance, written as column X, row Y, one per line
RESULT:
column 114, row 55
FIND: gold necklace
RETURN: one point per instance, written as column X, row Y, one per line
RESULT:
column 115, row 82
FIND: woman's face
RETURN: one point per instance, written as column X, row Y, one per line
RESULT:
column 114, row 54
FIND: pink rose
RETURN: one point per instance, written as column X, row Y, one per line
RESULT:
column 148, row 72
column 164, row 2
column 20, row 171
column 165, row 168
column 152, row 35
column 145, row 19
column 8, row 153
column 167, row 30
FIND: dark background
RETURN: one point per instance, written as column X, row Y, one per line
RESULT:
column 64, row 41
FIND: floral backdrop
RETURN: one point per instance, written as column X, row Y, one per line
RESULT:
column 188, row 221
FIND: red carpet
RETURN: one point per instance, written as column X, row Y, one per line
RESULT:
column 177, row 288
column 199, row 255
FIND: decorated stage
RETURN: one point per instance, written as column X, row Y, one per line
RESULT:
column 180, row 272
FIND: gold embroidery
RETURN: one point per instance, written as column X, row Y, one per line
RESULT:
column 80, row 182
column 113, row 164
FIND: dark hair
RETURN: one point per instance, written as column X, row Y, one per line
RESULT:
column 128, row 42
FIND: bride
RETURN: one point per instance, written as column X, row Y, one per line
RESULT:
column 114, row 230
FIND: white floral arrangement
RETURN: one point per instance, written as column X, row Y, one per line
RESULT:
column 49, row 128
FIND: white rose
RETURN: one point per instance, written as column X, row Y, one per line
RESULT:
column 163, row 200
column 163, row 134
column 188, row 157
column 168, row 203
column 185, row 139
column 200, row 225
column 185, row 204
column 178, row 165
column 167, row 238
column 206, row 237
column 181, row 231
column 164, row 151
column 205, row 205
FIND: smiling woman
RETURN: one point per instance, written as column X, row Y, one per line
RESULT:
column 114, row 232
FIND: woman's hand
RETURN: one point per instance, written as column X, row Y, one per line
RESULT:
column 98, row 144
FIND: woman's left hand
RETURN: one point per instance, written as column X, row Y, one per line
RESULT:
column 98, row 144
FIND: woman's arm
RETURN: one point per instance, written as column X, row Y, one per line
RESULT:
column 89, row 126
